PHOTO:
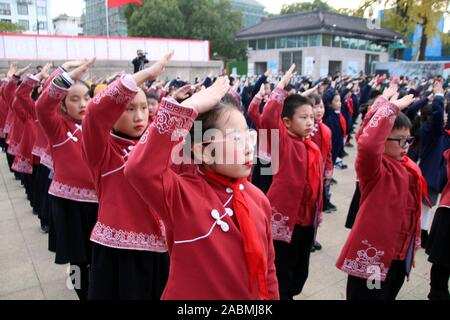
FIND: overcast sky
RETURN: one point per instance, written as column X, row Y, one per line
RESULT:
column 273, row 6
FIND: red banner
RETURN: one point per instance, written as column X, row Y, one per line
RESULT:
column 120, row 3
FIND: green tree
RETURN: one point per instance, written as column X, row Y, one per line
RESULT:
column 10, row 27
column 404, row 15
column 305, row 7
column 193, row 19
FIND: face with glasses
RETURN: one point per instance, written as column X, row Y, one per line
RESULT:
column 398, row 143
column 228, row 149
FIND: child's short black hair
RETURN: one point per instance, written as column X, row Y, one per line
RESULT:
column 292, row 103
column 402, row 122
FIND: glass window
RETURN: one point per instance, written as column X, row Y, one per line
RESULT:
column 326, row 40
column 345, row 43
column 252, row 44
column 353, row 43
column 303, row 41
column 336, row 41
column 22, row 9
column 25, row 24
column 42, row 25
column 271, row 43
column 314, row 40
column 42, row 11
column 281, row 43
column 292, row 42
column 288, row 58
column 362, row 44
column 5, row 9
column 261, row 44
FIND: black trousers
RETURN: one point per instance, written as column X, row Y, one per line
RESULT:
column 292, row 262
column 440, row 274
column 358, row 289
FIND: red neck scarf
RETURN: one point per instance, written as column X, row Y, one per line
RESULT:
column 414, row 170
column 448, row 132
column 343, row 124
column 256, row 259
column 314, row 161
column 349, row 102
column 326, row 138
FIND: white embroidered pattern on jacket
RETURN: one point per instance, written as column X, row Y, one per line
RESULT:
column 73, row 193
column 46, row 160
column 22, row 165
column 30, row 82
column 2, row 133
column 121, row 239
column 386, row 112
column 56, row 93
column 70, row 136
column 13, row 147
column 7, row 128
column 216, row 215
column 280, row 229
column 37, row 151
column 279, row 97
column 115, row 92
column 173, row 119
column 366, row 263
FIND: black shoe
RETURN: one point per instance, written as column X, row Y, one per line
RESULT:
column 333, row 182
column 424, row 238
column 313, row 248
column 317, row 246
column 330, row 208
column 340, row 165
column 349, row 144
column 344, row 154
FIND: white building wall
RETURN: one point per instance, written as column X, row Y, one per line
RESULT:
column 32, row 15
column 68, row 27
column 350, row 58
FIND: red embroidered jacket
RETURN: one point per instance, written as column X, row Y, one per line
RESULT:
column 388, row 218
column 325, row 148
column 72, row 179
column 292, row 176
column 207, row 259
column 124, row 219
column 3, row 109
column 13, row 125
column 23, row 107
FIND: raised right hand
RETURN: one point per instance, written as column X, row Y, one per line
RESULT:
column 205, row 100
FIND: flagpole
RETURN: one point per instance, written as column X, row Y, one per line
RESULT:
column 107, row 18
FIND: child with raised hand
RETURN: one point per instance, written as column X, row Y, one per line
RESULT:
column 60, row 110
column 129, row 254
column 383, row 240
column 294, row 219
column 218, row 225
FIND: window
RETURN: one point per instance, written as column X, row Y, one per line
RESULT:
column 42, row 25
column 281, row 43
column 6, row 20
column 25, row 24
column 326, row 40
column 261, row 44
column 345, row 43
column 362, row 44
column 336, row 41
column 314, row 40
column 271, row 43
column 22, row 9
column 288, row 58
column 252, row 44
column 42, row 11
column 5, row 9
column 353, row 43
column 303, row 41
column 292, row 42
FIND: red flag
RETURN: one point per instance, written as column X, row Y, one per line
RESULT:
column 120, row 3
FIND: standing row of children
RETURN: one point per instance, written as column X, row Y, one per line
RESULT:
column 122, row 206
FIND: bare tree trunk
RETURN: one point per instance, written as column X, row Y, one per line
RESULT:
column 423, row 42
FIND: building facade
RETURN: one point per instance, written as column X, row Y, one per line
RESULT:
column 68, row 26
column 318, row 42
column 33, row 15
column 252, row 11
column 95, row 21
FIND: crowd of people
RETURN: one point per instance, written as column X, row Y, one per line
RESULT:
column 215, row 189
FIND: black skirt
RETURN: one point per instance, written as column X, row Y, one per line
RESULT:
column 42, row 198
column 438, row 246
column 121, row 274
column 260, row 177
column 354, row 208
column 73, row 222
